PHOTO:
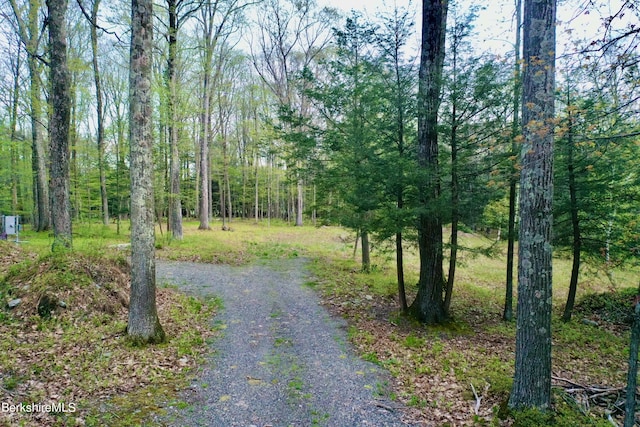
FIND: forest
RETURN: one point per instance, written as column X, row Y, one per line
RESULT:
column 162, row 124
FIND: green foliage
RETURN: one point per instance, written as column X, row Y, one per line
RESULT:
column 614, row 306
column 565, row 413
column 597, row 146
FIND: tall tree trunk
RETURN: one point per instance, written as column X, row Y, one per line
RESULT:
column 257, row 200
column 428, row 306
column 205, row 198
column 13, row 125
column 455, row 214
column 400, row 118
column 59, row 124
column 30, row 35
column 175, row 202
column 144, row 325
column 575, row 224
column 100, row 113
column 455, row 193
column 532, row 379
column 513, row 176
column 226, row 206
column 300, row 203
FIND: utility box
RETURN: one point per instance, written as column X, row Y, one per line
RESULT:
column 11, row 225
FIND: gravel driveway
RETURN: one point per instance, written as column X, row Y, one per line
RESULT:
column 282, row 359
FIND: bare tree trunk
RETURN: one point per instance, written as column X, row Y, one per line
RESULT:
column 366, row 252
column 513, row 176
column 100, row 113
column 257, row 210
column 30, row 35
column 575, row 224
column 532, row 379
column 455, row 192
column 300, row 203
column 205, row 197
column 15, row 99
column 175, row 203
column 144, row 325
column 59, row 125
column 428, row 306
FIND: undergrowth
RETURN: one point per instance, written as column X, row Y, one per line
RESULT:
column 440, row 372
column 65, row 342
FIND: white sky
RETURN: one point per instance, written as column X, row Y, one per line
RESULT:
column 495, row 24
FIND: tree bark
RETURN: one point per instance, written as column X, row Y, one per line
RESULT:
column 30, row 35
column 205, row 130
column 575, row 225
column 507, row 314
column 99, row 113
column 428, row 306
column 59, row 125
column 175, row 203
column 366, row 251
column 532, row 379
column 299, row 203
column 144, row 325
column 455, row 193
column 632, row 373
column 13, row 125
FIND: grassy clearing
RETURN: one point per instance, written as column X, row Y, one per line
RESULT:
column 439, row 372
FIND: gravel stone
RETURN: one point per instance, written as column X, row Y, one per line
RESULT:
column 282, row 360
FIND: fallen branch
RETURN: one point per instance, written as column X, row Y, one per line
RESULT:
column 476, row 409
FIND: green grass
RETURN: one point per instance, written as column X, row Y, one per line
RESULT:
column 475, row 348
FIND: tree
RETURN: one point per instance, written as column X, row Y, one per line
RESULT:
column 632, row 372
column 59, row 124
column 179, row 11
column 352, row 102
column 595, row 207
column 507, row 313
column 144, row 324
column 429, row 304
column 473, row 113
column 398, row 30
column 292, row 35
column 218, row 21
column 28, row 28
column 97, row 79
column 532, row 379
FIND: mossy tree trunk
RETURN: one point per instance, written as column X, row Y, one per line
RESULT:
column 60, row 99
column 144, row 325
column 532, row 379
